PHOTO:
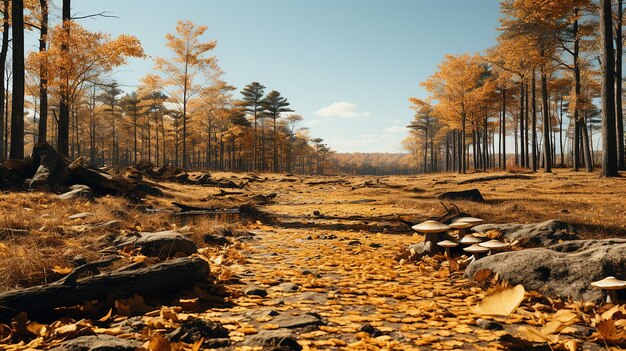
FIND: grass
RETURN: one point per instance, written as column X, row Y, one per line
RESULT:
column 594, row 205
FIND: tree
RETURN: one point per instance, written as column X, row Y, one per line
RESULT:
column 130, row 105
column 609, row 143
column 252, row 97
column 17, row 106
column 43, row 75
column 109, row 98
column 185, row 74
column 273, row 105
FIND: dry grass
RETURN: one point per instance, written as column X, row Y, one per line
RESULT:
column 594, row 205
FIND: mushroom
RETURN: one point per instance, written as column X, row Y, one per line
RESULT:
column 475, row 250
column 473, row 220
column 431, row 230
column 494, row 245
column 461, row 226
column 470, row 239
column 447, row 244
column 611, row 285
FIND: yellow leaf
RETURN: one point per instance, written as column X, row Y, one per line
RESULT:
column 501, row 302
column 533, row 334
column 62, row 270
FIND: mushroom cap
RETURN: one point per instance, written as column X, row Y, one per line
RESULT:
column 461, row 225
column 447, row 243
column 610, row 283
column 470, row 239
column 473, row 220
column 430, row 226
column 494, row 244
column 475, row 249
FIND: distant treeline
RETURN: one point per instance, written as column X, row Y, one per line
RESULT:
column 359, row 163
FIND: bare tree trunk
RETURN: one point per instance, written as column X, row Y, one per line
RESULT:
column 619, row 114
column 522, row 158
column 43, row 75
column 503, row 131
column 547, row 149
column 64, row 110
column 3, row 62
column 609, row 142
column 17, row 105
column 534, row 124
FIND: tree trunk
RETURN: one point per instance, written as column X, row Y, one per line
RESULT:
column 547, row 149
column 3, row 61
column 17, row 103
column 534, row 124
column 503, row 131
column 609, row 143
column 619, row 114
column 522, row 160
column 43, row 75
column 64, row 110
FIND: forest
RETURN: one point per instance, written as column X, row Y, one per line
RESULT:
column 552, row 83
column 186, row 212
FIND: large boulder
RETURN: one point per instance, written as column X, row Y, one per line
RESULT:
column 78, row 191
column 582, row 245
column 566, row 274
column 98, row 343
column 50, row 173
column 533, row 234
column 466, row 195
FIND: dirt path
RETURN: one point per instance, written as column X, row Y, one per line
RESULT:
column 338, row 289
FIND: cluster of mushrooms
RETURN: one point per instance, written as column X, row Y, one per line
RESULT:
column 448, row 236
column 440, row 235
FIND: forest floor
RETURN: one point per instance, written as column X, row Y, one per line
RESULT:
column 323, row 267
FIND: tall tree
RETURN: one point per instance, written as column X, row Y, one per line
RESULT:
column 63, row 133
column 109, row 98
column 252, row 98
column 273, row 105
column 619, row 114
column 609, row 143
column 187, row 72
column 17, row 105
column 3, row 61
column 43, row 75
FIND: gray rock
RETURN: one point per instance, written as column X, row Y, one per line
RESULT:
column 98, row 343
column 196, row 329
column 287, row 287
column 77, row 191
column 162, row 244
column 533, row 234
column 489, row 325
column 581, row 245
column 557, row 273
column 279, row 339
column 255, row 291
column 297, row 321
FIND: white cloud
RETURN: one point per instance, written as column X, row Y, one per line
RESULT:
column 341, row 110
column 394, row 130
column 312, row 122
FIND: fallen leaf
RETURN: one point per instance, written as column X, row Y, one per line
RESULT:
column 501, row 301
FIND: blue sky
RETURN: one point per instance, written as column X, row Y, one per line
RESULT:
column 347, row 66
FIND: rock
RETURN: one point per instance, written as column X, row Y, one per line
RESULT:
column 376, row 245
column 297, row 321
column 489, row 325
column 279, row 339
column 354, row 243
column 581, row 245
column 196, row 329
column 255, row 291
column 287, row 287
column 468, row 195
column 49, row 174
column 368, row 328
column 317, row 213
column 557, row 273
column 98, row 343
column 162, row 244
column 215, row 239
column 77, row 191
column 533, row 234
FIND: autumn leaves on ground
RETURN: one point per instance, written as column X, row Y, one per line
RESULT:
column 323, row 265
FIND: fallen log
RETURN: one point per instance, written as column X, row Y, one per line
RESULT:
column 467, row 195
column 166, row 277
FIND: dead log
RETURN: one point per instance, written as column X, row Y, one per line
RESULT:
column 227, row 193
column 104, row 183
column 166, row 277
